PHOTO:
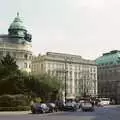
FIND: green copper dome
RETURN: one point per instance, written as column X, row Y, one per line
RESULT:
column 17, row 23
column 111, row 58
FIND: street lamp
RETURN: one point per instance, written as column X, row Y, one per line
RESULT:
column 65, row 79
column 66, row 71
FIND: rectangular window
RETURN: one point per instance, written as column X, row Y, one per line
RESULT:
column 25, row 65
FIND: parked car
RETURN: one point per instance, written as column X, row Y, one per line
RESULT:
column 70, row 106
column 103, row 101
column 87, row 106
column 39, row 108
column 52, row 107
column 80, row 102
column 78, row 105
column 112, row 102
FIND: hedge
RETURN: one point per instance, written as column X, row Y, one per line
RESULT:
column 18, row 108
column 14, row 102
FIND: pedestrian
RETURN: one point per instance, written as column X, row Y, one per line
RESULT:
column 92, row 102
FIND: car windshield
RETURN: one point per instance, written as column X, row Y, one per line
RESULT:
column 86, row 103
column 104, row 99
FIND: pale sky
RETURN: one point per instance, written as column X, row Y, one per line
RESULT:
column 83, row 27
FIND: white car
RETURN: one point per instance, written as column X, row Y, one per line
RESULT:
column 104, row 101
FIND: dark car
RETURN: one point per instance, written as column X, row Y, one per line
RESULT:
column 87, row 106
column 59, row 105
column 69, row 106
column 39, row 108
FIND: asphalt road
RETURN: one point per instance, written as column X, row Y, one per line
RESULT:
column 105, row 113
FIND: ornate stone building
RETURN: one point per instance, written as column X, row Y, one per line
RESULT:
column 109, row 75
column 18, row 44
column 81, row 74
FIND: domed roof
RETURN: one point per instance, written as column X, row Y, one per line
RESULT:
column 111, row 58
column 17, row 23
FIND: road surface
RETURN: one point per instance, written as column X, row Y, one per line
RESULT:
column 105, row 113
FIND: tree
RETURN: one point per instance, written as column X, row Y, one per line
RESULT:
column 9, row 75
column 13, row 81
column 9, row 62
column 45, row 86
column 8, row 66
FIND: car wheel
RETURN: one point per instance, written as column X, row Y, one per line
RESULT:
column 73, row 110
column 42, row 111
column 33, row 111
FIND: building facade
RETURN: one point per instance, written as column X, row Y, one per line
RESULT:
column 17, row 43
column 80, row 74
column 109, row 75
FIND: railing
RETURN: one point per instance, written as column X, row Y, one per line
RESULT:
column 15, row 46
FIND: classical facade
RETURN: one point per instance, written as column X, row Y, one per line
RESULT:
column 17, row 43
column 80, row 74
column 109, row 75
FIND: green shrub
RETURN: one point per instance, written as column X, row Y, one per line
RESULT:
column 38, row 100
column 18, row 108
column 13, row 100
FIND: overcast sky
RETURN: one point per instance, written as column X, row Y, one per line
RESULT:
column 82, row 27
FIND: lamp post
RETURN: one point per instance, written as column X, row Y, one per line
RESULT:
column 67, row 59
column 65, row 80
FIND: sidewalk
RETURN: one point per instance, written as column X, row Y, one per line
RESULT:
column 14, row 112
column 112, row 106
column 25, row 113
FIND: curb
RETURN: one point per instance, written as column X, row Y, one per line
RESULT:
column 26, row 113
column 112, row 106
column 14, row 112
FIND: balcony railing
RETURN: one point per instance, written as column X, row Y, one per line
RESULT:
column 15, row 46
